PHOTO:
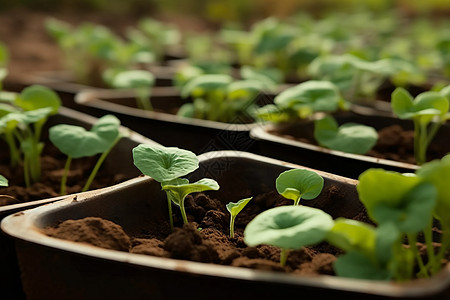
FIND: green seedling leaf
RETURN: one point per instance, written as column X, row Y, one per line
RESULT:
column 401, row 199
column 179, row 189
column 133, row 79
column 244, row 89
column 288, row 227
column 3, row 181
column 37, row 96
column 299, row 184
column 437, row 172
column 310, row 96
column 164, row 163
column 349, row 137
column 426, row 104
column 234, row 208
column 351, row 235
column 76, row 142
column 200, row 85
column 356, row 265
column 8, row 97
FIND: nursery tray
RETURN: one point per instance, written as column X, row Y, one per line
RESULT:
column 118, row 160
column 337, row 162
column 56, row 269
column 196, row 135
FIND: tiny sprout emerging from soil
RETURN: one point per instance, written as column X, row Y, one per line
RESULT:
column 140, row 80
column 299, row 184
column 167, row 165
column 3, row 181
column 429, row 110
column 288, row 227
column 349, row 137
column 77, row 142
column 235, row 208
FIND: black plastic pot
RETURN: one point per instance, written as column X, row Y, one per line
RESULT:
column 160, row 125
column 119, row 160
column 345, row 164
column 54, row 269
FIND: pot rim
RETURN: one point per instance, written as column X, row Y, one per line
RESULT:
column 262, row 133
column 23, row 226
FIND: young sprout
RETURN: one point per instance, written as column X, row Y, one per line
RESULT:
column 22, row 120
column 349, row 137
column 3, row 181
column 140, row 80
column 235, row 208
column 297, row 184
column 179, row 188
column 4, row 58
column 302, row 101
column 401, row 205
column 77, row 142
column 167, row 165
column 288, row 227
column 429, row 110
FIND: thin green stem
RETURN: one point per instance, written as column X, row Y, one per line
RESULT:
column 183, row 212
column 297, row 201
column 428, row 234
column 232, row 226
column 64, row 177
column 26, row 171
column 99, row 163
column 143, row 99
column 433, row 131
column 412, row 240
column 169, row 204
column 445, row 244
column 13, row 151
column 283, row 256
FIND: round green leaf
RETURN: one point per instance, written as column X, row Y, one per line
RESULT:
column 37, row 96
column 200, row 85
column 133, row 79
column 299, row 183
column 164, row 163
column 349, row 137
column 76, row 142
column 316, row 95
column 351, row 235
column 288, row 227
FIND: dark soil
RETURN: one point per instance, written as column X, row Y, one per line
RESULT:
column 206, row 238
column 52, row 163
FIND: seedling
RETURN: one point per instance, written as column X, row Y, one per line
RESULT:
column 22, row 120
column 429, row 110
column 235, row 208
column 401, row 205
column 302, row 101
column 3, row 181
column 180, row 188
column 220, row 98
column 4, row 58
column 76, row 142
column 297, row 184
column 140, row 80
column 349, row 137
column 288, row 227
column 167, row 165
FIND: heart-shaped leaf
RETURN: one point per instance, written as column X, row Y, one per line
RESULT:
column 164, row 163
column 36, row 97
column 299, row 184
column 133, row 79
column 181, row 190
column 235, row 207
column 76, row 142
column 349, row 137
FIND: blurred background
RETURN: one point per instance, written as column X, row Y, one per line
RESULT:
column 32, row 49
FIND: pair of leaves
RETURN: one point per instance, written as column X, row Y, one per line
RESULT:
column 76, row 142
column 350, row 137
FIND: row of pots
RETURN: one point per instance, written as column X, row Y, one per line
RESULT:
column 257, row 157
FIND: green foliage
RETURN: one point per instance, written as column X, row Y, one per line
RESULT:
column 350, row 137
column 302, row 101
column 297, row 184
column 3, row 181
column 76, row 142
column 429, row 110
column 234, row 209
column 167, row 165
column 288, row 227
column 4, row 60
column 22, row 118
